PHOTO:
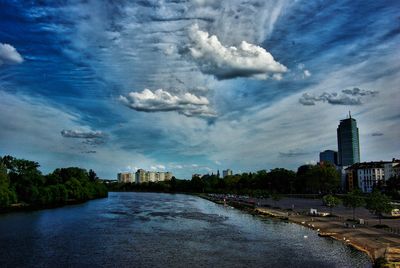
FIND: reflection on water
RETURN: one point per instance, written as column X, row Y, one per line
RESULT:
column 162, row 230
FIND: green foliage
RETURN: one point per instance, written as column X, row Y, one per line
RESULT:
column 331, row 201
column 21, row 178
column 393, row 187
column 379, row 203
column 318, row 178
column 354, row 200
column 7, row 195
column 259, row 184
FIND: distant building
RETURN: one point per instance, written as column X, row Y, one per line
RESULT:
column 367, row 175
column 142, row 175
column 348, row 142
column 392, row 169
column 125, row 177
column 328, row 156
column 227, row 172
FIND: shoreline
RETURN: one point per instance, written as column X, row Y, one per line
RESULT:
column 324, row 226
column 19, row 207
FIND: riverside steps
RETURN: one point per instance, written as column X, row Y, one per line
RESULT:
column 377, row 243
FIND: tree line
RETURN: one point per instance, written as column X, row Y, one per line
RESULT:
column 322, row 180
column 309, row 179
column 22, row 182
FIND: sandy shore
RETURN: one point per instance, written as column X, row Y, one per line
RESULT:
column 375, row 242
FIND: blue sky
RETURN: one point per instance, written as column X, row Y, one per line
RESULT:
column 198, row 85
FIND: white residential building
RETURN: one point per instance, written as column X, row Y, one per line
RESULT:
column 366, row 175
column 392, row 169
column 151, row 176
column 370, row 175
column 125, row 177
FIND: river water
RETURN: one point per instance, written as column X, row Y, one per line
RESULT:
column 162, row 230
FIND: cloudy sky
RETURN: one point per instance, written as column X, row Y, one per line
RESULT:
column 194, row 86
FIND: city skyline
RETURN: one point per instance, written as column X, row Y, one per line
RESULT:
column 168, row 86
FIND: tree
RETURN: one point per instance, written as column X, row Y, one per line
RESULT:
column 393, row 187
column 92, row 176
column 25, row 178
column 353, row 200
column 379, row 203
column 282, row 180
column 74, row 189
column 7, row 195
column 198, row 184
column 301, row 179
column 331, row 201
column 321, row 178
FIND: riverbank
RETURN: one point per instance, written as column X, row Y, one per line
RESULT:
column 376, row 243
column 23, row 207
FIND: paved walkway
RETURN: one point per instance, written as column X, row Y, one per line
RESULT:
column 365, row 237
column 304, row 205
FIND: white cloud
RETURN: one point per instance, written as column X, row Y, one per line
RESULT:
column 9, row 55
column 307, row 73
column 157, row 167
column 161, row 101
column 246, row 60
column 176, row 166
column 28, row 135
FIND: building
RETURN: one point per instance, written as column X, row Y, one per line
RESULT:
column 328, row 156
column 227, row 172
column 368, row 175
column 140, row 176
column 348, row 142
column 125, row 177
column 151, row 176
column 392, row 169
column 350, row 179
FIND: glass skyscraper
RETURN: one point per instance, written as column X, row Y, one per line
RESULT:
column 348, row 142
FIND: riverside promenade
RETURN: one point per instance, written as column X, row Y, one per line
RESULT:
column 375, row 242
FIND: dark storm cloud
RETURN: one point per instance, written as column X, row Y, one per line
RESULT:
column 293, row 153
column 359, row 92
column 347, row 97
column 89, row 152
column 331, row 98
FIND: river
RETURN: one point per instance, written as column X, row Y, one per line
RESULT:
column 162, row 230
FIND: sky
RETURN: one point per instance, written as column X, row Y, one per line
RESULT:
column 196, row 86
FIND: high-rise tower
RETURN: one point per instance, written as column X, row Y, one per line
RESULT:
column 348, row 142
